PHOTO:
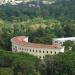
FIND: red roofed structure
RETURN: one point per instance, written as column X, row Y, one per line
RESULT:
column 21, row 44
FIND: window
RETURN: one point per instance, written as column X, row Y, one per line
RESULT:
column 30, row 50
column 51, row 52
column 55, row 52
column 20, row 48
column 40, row 56
column 47, row 51
column 33, row 50
column 27, row 49
column 56, row 41
column 43, row 51
column 36, row 51
column 40, row 51
column 43, row 56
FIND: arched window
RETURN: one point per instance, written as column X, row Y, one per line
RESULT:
column 43, row 57
column 22, row 48
column 27, row 49
column 43, row 51
column 51, row 52
column 40, row 57
column 47, row 51
column 33, row 50
column 40, row 51
column 55, row 52
column 30, row 50
column 36, row 51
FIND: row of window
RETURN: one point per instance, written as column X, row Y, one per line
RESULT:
column 30, row 50
column 58, row 42
column 41, row 57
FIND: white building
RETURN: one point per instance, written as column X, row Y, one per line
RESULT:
column 13, row 2
column 60, row 41
column 48, row 2
column 6, row 1
column 21, row 44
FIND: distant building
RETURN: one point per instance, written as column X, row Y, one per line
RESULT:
column 60, row 41
column 5, row 1
column 14, row 2
column 21, row 44
column 48, row 2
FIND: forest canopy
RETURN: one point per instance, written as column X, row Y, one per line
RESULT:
column 41, row 23
column 47, row 21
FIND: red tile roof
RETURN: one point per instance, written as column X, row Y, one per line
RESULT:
column 20, row 41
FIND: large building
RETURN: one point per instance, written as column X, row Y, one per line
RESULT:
column 21, row 44
column 60, row 41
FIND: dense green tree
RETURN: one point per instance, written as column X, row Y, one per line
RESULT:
column 52, row 66
column 42, row 36
column 69, row 45
column 69, row 30
column 18, row 62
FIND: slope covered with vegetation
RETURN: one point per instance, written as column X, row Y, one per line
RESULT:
column 61, row 9
column 13, row 63
column 39, row 30
column 47, row 21
column 23, row 64
column 41, row 24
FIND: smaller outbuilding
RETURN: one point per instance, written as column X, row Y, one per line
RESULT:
column 60, row 41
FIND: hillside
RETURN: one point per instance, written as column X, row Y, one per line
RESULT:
column 41, row 22
column 21, row 63
column 11, row 63
column 62, row 10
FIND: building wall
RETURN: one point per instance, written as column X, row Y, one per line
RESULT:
column 39, row 52
column 57, row 42
column 60, row 42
